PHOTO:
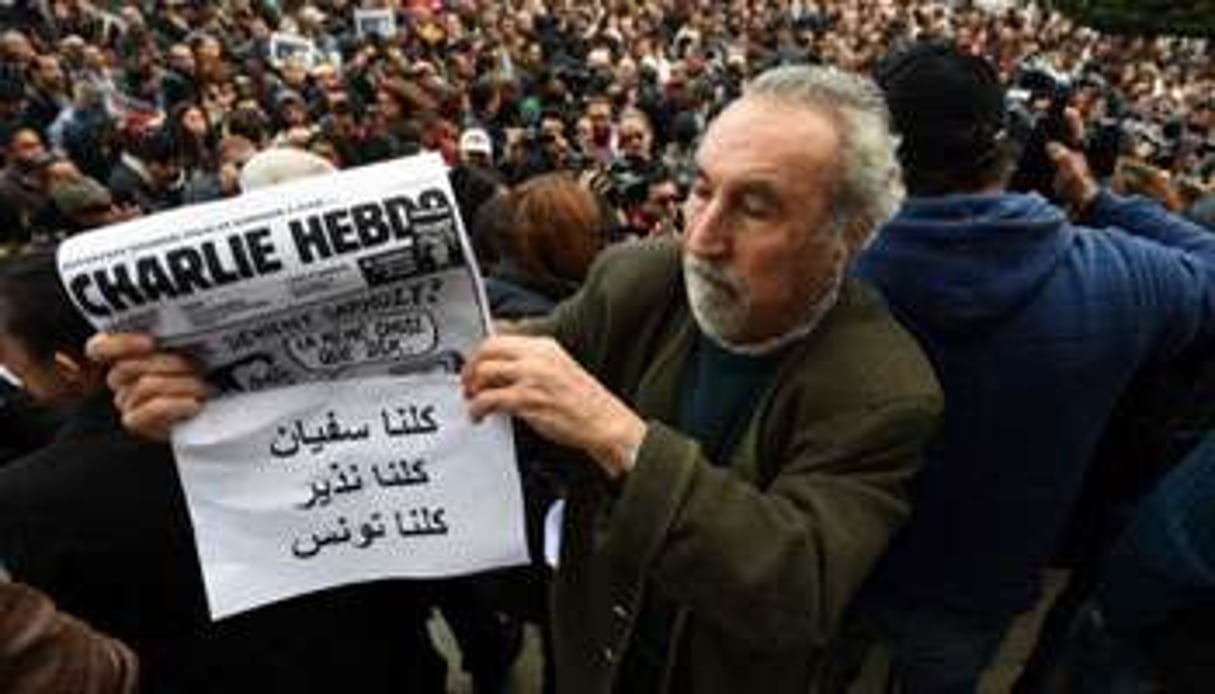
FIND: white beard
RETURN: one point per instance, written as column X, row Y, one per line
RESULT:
column 718, row 303
column 716, row 299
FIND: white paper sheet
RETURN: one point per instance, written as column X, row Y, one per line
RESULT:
column 333, row 315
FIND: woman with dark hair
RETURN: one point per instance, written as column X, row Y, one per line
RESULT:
column 197, row 143
column 191, row 130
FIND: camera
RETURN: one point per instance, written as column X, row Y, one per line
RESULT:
column 1036, row 85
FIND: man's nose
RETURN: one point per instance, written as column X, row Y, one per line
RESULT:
column 704, row 234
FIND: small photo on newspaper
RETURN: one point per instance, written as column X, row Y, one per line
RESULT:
column 332, row 315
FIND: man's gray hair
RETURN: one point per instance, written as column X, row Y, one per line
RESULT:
column 279, row 165
column 870, row 184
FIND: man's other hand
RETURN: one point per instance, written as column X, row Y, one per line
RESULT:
column 534, row 379
column 1074, row 182
column 152, row 390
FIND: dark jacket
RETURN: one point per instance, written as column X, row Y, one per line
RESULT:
column 1164, row 563
column 98, row 521
column 43, row 108
column 129, row 185
column 760, row 559
column 511, row 296
column 1035, row 326
column 21, row 199
column 24, row 426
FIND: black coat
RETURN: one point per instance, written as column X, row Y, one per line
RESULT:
column 98, row 520
column 24, row 426
column 128, row 187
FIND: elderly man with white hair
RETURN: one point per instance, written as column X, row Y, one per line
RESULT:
column 279, row 165
column 745, row 415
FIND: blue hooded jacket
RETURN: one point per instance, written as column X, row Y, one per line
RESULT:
column 1034, row 326
column 1164, row 562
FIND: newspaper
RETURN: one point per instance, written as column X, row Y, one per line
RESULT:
column 333, row 316
column 285, row 47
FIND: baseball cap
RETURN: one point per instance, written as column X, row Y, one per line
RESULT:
column 947, row 105
column 476, row 141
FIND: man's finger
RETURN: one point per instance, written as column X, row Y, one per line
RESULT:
column 490, row 373
column 475, row 363
column 153, row 387
column 519, row 399
column 108, row 348
column 488, row 402
column 503, row 348
column 507, row 345
column 156, row 418
column 126, row 372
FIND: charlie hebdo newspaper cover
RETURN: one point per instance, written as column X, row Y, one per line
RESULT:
column 333, row 315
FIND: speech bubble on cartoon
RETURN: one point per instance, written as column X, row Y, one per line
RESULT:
column 383, row 338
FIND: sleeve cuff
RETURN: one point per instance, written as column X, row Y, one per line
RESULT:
column 1096, row 209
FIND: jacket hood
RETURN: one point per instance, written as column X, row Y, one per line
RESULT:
column 959, row 260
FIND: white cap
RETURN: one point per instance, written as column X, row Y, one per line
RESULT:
column 476, row 141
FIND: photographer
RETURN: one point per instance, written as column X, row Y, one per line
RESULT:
column 1017, row 308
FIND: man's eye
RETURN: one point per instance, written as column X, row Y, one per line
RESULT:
column 755, row 205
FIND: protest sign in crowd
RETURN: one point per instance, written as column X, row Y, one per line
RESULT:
column 826, row 328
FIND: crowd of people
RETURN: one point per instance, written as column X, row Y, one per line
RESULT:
column 161, row 103
column 683, row 209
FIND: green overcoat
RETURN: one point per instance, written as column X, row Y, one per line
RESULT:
column 761, row 555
